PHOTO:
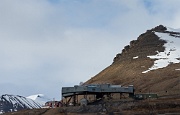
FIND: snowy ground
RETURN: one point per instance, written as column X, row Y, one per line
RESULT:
column 171, row 53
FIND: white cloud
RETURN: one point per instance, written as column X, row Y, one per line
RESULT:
column 45, row 45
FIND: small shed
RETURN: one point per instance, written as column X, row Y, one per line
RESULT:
column 52, row 104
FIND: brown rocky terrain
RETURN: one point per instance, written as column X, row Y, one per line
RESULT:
column 127, row 70
column 162, row 106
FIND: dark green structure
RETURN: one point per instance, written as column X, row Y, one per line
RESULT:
column 145, row 96
column 98, row 90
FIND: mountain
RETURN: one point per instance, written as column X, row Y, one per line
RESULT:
column 40, row 98
column 10, row 103
column 151, row 63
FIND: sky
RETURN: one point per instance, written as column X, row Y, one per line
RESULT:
column 49, row 44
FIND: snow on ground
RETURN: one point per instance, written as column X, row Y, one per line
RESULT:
column 29, row 102
column 40, row 98
column 171, row 53
column 177, row 69
column 1, row 112
column 135, row 57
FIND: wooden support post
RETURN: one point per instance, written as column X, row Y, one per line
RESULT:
column 85, row 96
column 74, row 99
column 62, row 102
column 77, row 99
column 69, row 100
column 66, row 102
column 120, row 95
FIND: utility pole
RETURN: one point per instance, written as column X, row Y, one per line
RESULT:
column 53, row 102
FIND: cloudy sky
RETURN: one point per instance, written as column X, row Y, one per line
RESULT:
column 47, row 44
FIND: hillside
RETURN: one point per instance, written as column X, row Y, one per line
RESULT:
column 151, row 63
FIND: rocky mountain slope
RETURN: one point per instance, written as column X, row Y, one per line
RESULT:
column 151, row 63
column 10, row 103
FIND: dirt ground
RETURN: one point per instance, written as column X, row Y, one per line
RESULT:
column 162, row 105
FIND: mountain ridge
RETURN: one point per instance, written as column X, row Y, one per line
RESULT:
column 11, row 103
column 128, row 66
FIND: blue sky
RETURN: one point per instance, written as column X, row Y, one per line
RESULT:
column 47, row 44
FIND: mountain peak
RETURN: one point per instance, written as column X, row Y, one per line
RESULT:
column 40, row 98
column 151, row 61
column 148, row 43
column 159, row 28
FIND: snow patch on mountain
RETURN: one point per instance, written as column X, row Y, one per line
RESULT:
column 10, row 103
column 171, row 53
column 136, row 57
column 40, row 98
